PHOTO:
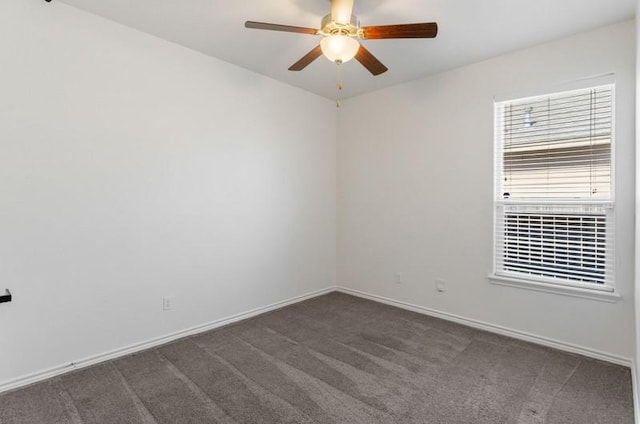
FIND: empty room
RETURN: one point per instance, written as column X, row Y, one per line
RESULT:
column 319, row 211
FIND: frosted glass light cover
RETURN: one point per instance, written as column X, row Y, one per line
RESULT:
column 339, row 48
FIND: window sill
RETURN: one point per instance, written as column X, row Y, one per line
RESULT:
column 602, row 296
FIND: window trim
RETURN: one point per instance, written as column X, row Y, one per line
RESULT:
column 601, row 294
column 606, row 292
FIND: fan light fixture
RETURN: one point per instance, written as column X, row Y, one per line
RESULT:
column 339, row 48
column 340, row 31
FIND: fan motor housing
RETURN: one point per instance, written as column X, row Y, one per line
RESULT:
column 331, row 27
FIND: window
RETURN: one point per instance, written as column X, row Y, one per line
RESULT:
column 554, row 189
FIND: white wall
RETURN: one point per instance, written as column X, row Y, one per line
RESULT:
column 415, row 191
column 131, row 169
column 637, row 251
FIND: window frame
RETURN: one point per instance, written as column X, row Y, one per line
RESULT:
column 605, row 292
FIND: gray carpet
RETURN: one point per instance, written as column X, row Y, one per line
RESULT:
column 335, row 359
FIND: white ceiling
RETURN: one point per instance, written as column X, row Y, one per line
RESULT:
column 469, row 31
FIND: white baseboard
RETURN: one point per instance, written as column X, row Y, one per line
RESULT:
column 127, row 350
column 516, row 334
column 137, row 347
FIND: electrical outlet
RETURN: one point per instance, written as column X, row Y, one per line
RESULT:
column 398, row 278
column 167, row 303
column 440, row 285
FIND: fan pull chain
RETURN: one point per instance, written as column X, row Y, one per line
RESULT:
column 339, row 72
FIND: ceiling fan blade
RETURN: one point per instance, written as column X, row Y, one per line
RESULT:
column 306, row 59
column 421, row 30
column 276, row 27
column 370, row 62
column 341, row 11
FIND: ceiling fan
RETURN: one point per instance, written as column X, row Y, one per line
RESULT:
column 340, row 30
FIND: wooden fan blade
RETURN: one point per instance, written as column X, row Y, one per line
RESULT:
column 341, row 11
column 422, row 30
column 306, row 59
column 370, row 62
column 276, row 27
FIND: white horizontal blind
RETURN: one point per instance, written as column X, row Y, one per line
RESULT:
column 554, row 206
column 564, row 242
column 558, row 146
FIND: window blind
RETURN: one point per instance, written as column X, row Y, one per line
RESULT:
column 554, row 205
column 557, row 146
